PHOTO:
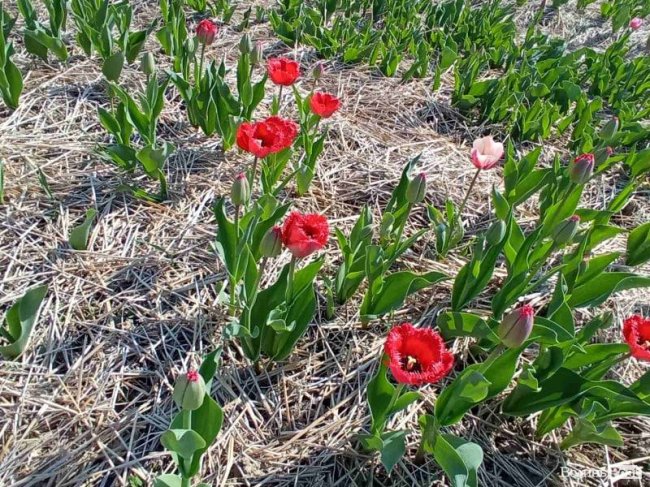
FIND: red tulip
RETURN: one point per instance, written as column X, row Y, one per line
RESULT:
column 206, row 31
column 266, row 136
column 636, row 330
column 304, row 234
column 417, row 356
column 486, row 153
column 283, row 71
column 323, row 104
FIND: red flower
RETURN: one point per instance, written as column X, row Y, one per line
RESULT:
column 636, row 330
column 324, row 104
column 304, row 234
column 417, row 355
column 286, row 131
column 266, row 136
column 206, row 31
column 283, row 71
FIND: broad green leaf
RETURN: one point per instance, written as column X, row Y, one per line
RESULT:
column 79, row 234
column 183, row 442
column 393, row 448
column 113, row 65
column 19, row 322
column 584, row 431
column 454, row 324
column 638, row 245
column 167, row 480
column 598, row 290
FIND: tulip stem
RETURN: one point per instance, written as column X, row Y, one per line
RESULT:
column 253, row 178
column 400, row 232
column 469, row 190
column 187, row 425
column 200, row 76
column 428, row 435
column 292, row 269
column 233, row 284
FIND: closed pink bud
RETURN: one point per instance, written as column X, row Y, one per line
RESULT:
column 240, row 191
column 516, row 326
column 635, row 23
column 582, row 168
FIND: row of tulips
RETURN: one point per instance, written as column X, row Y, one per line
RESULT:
column 269, row 321
column 564, row 381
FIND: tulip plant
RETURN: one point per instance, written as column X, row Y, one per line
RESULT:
column 565, row 381
column 195, row 427
column 210, row 102
column 11, row 79
column 317, row 106
column 131, row 116
column 268, row 320
column 41, row 39
column 97, row 21
column 363, row 259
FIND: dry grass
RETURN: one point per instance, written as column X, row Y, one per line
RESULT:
column 88, row 401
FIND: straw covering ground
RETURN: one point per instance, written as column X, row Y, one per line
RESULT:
column 88, row 401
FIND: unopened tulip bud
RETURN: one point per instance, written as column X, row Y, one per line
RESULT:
column 496, row 232
column 636, row 23
column 566, row 230
column 318, row 70
column 240, row 191
column 245, row 44
column 516, row 326
column 417, row 188
column 189, row 391
column 582, row 168
column 609, row 129
column 602, row 154
column 271, row 244
column 148, row 64
column 256, row 54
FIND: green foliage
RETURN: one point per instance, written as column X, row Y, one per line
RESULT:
column 212, row 106
column 104, row 28
column 11, row 79
column 41, row 39
column 79, row 234
column 139, row 117
column 19, row 322
column 192, row 432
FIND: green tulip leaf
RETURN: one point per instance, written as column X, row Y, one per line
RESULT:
column 19, row 322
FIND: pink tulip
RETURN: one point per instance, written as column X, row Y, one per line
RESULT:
column 486, row 153
column 635, row 23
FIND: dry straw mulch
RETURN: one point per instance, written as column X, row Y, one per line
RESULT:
column 88, row 401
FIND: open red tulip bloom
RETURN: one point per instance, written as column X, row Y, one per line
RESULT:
column 283, row 71
column 636, row 330
column 304, row 234
column 324, row 104
column 486, row 153
column 267, row 136
column 417, row 356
